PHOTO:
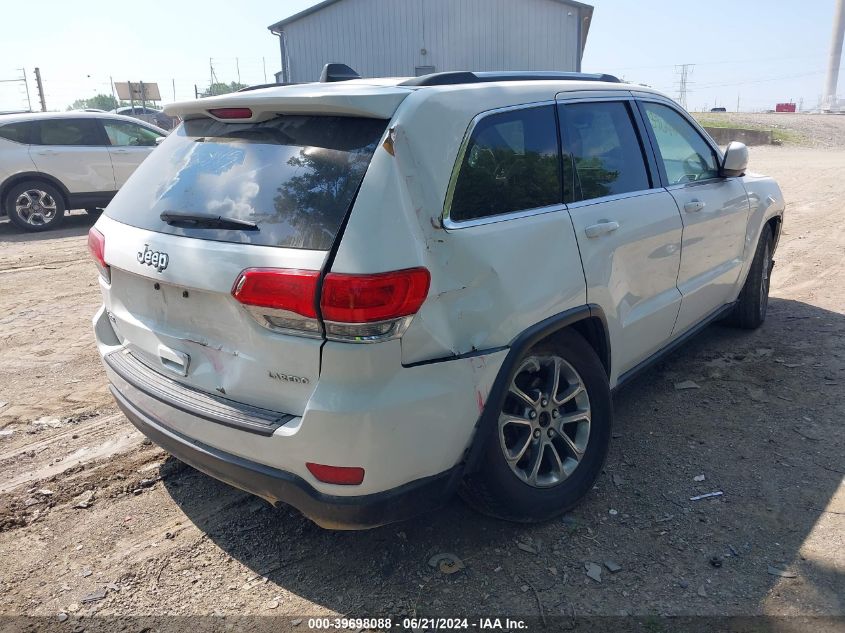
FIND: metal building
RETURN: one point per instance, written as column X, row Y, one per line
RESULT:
column 398, row 38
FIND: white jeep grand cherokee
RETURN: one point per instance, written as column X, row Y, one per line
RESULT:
column 358, row 298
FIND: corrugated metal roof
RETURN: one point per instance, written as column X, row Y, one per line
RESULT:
column 322, row 5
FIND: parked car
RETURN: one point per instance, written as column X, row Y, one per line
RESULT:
column 53, row 162
column 148, row 115
column 358, row 298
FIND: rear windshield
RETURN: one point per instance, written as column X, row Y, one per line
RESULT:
column 294, row 176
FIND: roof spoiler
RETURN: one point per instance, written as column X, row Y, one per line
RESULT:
column 337, row 72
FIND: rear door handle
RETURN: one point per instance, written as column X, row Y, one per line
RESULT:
column 46, row 152
column 693, row 206
column 602, row 228
column 120, row 151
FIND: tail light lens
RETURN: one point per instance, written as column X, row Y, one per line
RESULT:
column 97, row 248
column 281, row 298
column 359, row 308
column 367, row 298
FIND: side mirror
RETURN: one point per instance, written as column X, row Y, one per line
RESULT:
column 736, row 160
column 160, row 139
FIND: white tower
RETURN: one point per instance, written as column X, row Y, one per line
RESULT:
column 829, row 97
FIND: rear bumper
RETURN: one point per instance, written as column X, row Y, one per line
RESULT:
column 274, row 485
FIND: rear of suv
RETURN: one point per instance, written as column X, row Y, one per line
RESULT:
column 360, row 297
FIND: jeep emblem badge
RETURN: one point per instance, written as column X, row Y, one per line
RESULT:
column 156, row 259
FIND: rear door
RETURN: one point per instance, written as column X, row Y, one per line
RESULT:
column 628, row 227
column 75, row 151
column 285, row 186
column 714, row 211
column 129, row 145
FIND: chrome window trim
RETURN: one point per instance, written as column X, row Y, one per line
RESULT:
column 445, row 218
column 503, row 217
column 619, row 196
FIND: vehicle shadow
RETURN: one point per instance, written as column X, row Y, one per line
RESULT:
column 763, row 427
column 75, row 224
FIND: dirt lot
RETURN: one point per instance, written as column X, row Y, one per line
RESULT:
column 95, row 521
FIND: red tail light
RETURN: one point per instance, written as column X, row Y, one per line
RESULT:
column 97, row 248
column 368, row 298
column 279, row 289
column 360, row 308
column 231, row 113
column 343, row 475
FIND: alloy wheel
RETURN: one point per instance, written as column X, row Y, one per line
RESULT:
column 544, row 426
column 36, row 207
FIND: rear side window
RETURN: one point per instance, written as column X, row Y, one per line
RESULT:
column 510, row 164
column 68, row 132
column 599, row 139
column 295, row 176
column 18, row 132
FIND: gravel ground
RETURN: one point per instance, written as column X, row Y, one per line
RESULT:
column 807, row 130
column 96, row 522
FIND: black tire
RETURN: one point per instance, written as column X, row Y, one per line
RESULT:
column 45, row 200
column 749, row 313
column 496, row 490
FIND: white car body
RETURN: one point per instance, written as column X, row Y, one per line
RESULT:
column 87, row 172
column 635, row 273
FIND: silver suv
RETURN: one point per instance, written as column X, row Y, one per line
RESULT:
column 360, row 297
column 53, row 162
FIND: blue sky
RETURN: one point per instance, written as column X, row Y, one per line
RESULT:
column 762, row 51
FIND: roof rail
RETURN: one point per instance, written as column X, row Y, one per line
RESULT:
column 466, row 77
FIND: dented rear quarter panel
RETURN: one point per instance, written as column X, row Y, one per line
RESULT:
column 488, row 283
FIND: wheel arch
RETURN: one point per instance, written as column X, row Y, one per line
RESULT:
column 775, row 223
column 20, row 177
column 588, row 320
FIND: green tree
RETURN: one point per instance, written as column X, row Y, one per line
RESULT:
column 220, row 88
column 100, row 101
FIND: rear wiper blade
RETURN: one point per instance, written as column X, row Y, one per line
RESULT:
column 206, row 221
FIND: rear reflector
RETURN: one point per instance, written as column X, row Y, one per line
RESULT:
column 279, row 289
column 379, row 297
column 97, row 248
column 343, row 475
column 231, row 113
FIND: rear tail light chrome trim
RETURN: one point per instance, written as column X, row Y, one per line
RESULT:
column 372, row 332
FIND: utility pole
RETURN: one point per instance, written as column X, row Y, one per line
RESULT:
column 40, row 89
column 737, row 102
column 26, row 85
column 264, row 66
column 685, row 70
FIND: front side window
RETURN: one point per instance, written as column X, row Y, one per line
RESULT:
column 603, row 147
column 68, row 132
column 685, row 155
column 510, row 164
column 18, row 132
column 123, row 134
